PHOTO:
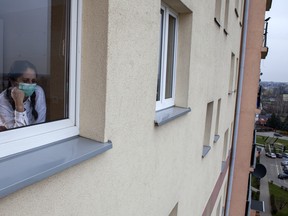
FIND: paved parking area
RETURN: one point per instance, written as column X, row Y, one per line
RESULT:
column 273, row 167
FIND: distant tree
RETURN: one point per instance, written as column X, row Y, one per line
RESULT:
column 272, row 98
column 285, row 124
column 274, row 122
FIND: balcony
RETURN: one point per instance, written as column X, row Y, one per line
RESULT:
column 268, row 4
column 258, row 102
column 264, row 52
column 264, row 49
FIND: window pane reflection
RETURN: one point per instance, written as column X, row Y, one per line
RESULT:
column 170, row 57
column 160, row 57
column 34, row 31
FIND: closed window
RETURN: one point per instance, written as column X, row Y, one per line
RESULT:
column 226, row 15
column 218, row 5
column 237, row 8
column 232, row 74
column 167, row 61
column 208, row 124
column 218, row 117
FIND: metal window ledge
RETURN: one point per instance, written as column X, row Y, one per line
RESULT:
column 216, row 138
column 205, row 150
column 169, row 114
column 23, row 169
column 223, row 165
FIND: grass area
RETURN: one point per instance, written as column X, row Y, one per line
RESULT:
column 280, row 200
column 284, row 142
column 255, row 182
column 261, row 140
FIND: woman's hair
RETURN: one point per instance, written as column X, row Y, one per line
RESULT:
column 17, row 69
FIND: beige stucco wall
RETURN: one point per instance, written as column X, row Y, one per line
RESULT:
column 150, row 168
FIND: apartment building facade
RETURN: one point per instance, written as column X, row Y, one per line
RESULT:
column 244, row 162
column 140, row 99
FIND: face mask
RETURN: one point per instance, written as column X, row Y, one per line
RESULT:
column 28, row 89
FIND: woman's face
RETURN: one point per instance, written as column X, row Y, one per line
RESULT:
column 29, row 77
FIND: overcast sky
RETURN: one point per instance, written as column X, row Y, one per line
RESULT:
column 275, row 66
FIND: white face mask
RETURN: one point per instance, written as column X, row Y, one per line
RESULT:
column 28, row 89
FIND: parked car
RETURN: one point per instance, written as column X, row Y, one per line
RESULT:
column 277, row 135
column 271, row 155
column 285, row 155
column 284, row 163
column 283, row 176
column 279, row 155
column 285, row 169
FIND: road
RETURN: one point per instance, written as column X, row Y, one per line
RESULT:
column 273, row 167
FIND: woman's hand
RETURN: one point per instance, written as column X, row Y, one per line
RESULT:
column 18, row 97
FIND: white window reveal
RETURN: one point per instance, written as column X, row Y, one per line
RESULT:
column 167, row 62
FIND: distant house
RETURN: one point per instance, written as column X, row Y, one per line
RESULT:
column 262, row 119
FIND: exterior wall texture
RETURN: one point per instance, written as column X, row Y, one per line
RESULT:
column 149, row 169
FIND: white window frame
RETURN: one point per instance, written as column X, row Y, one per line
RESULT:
column 165, row 103
column 26, row 138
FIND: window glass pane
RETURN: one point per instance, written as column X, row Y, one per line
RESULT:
column 170, row 57
column 34, row 37
column 160, row 57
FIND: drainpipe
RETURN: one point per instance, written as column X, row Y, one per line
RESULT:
column 238, row 106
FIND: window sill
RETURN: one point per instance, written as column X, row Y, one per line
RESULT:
column 169, row 114
column 216, row 138
column 205, row 150
column 236, row 12
column 23, row 169
column 217, row 22
column 223, row 166
column 230, row 92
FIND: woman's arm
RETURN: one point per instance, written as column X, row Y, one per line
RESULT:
column 18, row 97
column 10, row 118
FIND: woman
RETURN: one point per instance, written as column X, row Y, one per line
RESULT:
column 23, row 102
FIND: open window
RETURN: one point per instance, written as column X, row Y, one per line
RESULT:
column 42, row 32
